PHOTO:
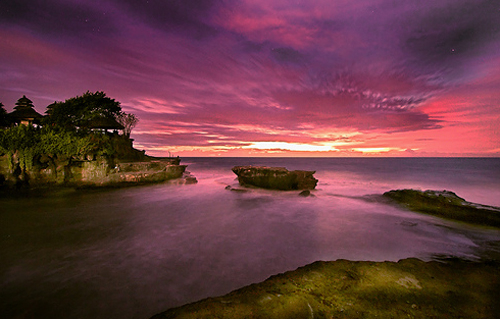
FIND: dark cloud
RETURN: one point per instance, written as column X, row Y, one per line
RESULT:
column 55, row 17
column 192, row 16
column 77, row 18
column 250, row 46
column 287, row 55
column 447, row 34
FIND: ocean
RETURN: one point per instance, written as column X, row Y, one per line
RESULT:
column 134, row 252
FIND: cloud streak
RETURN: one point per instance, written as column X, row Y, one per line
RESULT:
column 229, row 75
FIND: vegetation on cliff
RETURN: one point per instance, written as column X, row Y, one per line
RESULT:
column 3, row 117
column 76, row 130
column 26, row 145
column 77, row 113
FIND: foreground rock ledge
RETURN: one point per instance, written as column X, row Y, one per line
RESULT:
column 409, row 288
column 278, row 178
column 446, row 204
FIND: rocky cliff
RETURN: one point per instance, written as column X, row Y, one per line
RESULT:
column 445, row 204
column 97, row 172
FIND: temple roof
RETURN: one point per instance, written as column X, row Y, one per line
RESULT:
column 25, row 114
column 24, row 111
column 23, row 102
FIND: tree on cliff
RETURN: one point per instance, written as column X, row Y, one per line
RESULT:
column 129, row 121
column 3, row 117
column 79, row 111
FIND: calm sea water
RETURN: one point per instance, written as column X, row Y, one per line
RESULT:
column 131, row 253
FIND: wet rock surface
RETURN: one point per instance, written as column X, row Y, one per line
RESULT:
column 409, row 288
column 147, row 173
column 445, row 204
column 306, row 193
column 97, row 174
column 186, row 179
column 278, row 178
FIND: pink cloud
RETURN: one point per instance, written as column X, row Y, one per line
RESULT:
column 355, row 74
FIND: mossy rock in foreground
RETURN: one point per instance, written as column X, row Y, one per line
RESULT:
column 409, row 288
column 446, row 204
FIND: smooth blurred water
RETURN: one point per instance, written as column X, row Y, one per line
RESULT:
column 131, row 253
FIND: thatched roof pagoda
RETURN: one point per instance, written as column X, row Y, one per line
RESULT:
column 104, row 124
column 24, row 112
column 23, row 103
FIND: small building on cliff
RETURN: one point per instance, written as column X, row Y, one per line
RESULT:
column 104, row 124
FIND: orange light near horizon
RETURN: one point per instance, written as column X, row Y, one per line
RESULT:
column 375, row 150
column 289, row 147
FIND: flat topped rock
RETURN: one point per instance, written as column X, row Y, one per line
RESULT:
column 278, row 178
column 446, row 204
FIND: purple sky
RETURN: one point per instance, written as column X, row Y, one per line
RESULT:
column 280, row 78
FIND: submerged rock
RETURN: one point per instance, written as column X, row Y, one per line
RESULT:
column 237, row 190
column 362, row 289
column 190, row 180
column 186, row 179
column 305, row 193
column 275, row 177
column 446, row 204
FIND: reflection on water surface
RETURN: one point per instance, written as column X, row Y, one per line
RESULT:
column 134, row 252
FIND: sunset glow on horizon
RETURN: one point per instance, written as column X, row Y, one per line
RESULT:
column 269, row 78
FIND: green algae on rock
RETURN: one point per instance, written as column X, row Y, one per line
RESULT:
column 135, row 173
column 446, row 204
column 91, row 174
column 409, row 288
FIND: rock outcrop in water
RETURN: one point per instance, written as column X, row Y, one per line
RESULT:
column 409, row 288
column 446, row 204
column 278, row 178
